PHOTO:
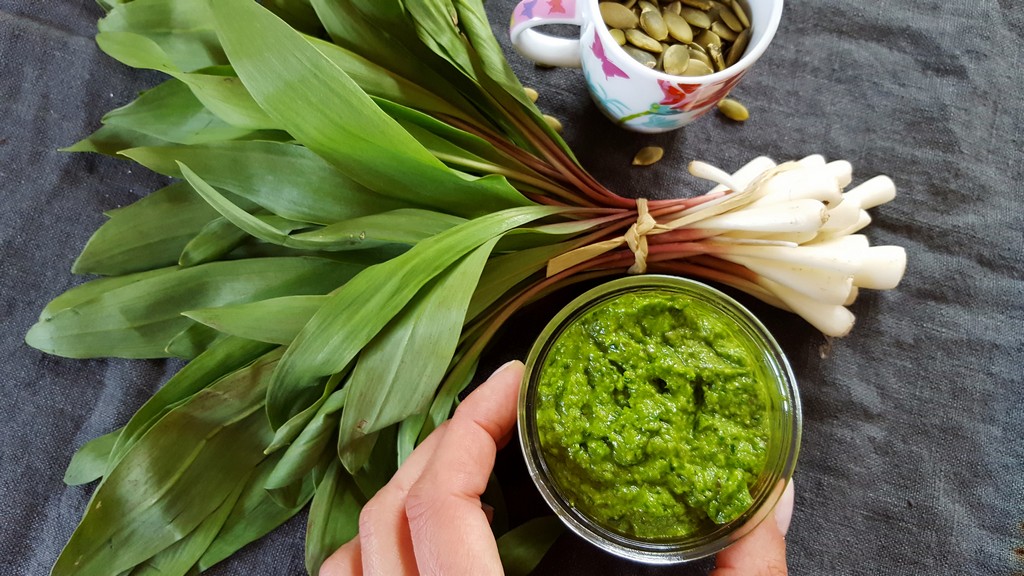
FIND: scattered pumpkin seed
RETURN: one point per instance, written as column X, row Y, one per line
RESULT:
column 676, row 59
column 733, row 110
column 553, row 122
column 654, row 25
column 643, row 41
column 531, row 94
column 645, row 58
column 616, row 15
column 648, row 155
column 618, row 35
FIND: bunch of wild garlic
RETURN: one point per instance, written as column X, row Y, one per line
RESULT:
column 367, row 194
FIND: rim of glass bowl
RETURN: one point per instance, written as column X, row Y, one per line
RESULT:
column 785, row 433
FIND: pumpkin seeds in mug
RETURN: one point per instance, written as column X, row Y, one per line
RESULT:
column 648, row 155
column 643, row 41
column 616, row 15
column 711, row 35
column 675, row 59
column 654, row 25
column 645, row 58
column 733, row 110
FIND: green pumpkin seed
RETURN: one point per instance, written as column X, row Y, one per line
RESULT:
column 715, row 53
column 738, row 48
column 673, row 7
column 698, row 4
column 531, row 94
column 648, row 155
column 643, row 41
column 698, row 53
column 723, row 31
column 695, row 17
column 629, row 4
column 645, row 58
column 676, row 59
column 697, row 68
column 652, row 23
column 733, row 110
column 678, row 28
column 616, row 15
column 730, row 20
column 741, row 15
column 618, row 35
column 647, row 6
column 553, row 122
column 706, row 38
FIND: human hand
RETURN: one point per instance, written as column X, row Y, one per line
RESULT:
column 429, row 519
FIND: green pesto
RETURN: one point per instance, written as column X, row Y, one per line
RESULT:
column 652, row 415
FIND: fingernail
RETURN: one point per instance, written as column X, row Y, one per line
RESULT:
column 784, row 509
column 505, row 366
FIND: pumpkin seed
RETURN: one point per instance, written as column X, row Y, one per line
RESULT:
column 553, row 122
column 647, row 6
column 698, row 53
column 723, row 31
column 618, row 36
column 695, row 17
column 531, row 94
column 738, row 48
column 697, row 68
column 643, row 41
column 652, row 23
column 741, row 15
column 648, row 155
column 706, row 38
column 616, row 15
column 715, row 53
column 698, row 4
column 730, row 20
column 733, row 110
column 645, row 58
column 677, row 27
column 673, row 7
column 676, row 59
column 629, row 4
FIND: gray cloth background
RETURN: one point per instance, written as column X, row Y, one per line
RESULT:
column 913, row 425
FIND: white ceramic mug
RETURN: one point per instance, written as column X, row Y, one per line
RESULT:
column 631, row 94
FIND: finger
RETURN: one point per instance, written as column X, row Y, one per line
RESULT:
column 346, row 561
column 450, row 531
column 763, row 551
column 385, row 544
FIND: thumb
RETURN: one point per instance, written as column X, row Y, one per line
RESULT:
column 763, row 551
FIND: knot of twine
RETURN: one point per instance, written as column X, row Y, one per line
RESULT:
column 636, row 236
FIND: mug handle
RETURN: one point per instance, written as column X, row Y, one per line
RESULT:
column 543, row 48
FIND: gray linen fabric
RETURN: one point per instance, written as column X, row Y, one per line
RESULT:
column 913, row 425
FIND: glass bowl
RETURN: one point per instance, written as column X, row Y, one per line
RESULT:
column 783, row 422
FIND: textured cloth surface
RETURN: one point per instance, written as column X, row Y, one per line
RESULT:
column 913, row 437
